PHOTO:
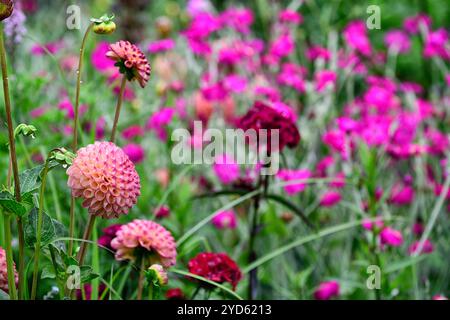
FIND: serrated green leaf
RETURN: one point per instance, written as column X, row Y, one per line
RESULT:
column 48, row 272
column 87, row 274
column 48, row 232
column 9, row 204
column 30, row 180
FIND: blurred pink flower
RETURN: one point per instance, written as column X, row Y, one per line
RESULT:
column 100, row 128
column 426, row 248
column 330, row 198
column 418, row 228
column 355, row 34
column 162, row 212
column 67, row 106
column 225, row 220
column 327, row 290
column 290, row 16
column 132, row 132
column 52, row 47
column 413, row 24
column 338, row 180
column 240, row 19
column 437, row 44
column 402, row 194
column 282, row 46
column 159, row 120
column 291, row 75
column 226, row 169
column 195, row 7
column 391, row 237
column 324, row 79
column 440, row 297
column 288, row 175
column 135, row 152
column 235, row 83
column 398, row 41
column 161, row 46
column 99, row 59
column 369, row 225
column 317, row 52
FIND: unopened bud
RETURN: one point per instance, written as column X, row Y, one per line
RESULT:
column 104, row 24
column 157, row 275
column 26, row 130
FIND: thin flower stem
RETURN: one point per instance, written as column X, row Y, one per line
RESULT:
column 86, row 236
column 141, row 279
column 13, row 155
column 118, row 108
column 37, row 248
column 9, row 257
column 75, row 132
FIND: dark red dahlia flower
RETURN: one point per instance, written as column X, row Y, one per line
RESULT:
column 263, row 116
column 217, row 267
column 175, row 294
column 109, row 233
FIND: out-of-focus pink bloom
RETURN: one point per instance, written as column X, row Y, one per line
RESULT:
column 426, row 248
column 268, row 92
column 346, row 124
column 291, row 75
column 163, row 177
column 161, row 46
column 338, row 181
column 195, row 7
column 438, row 141
column 162, row 212
column 355, row 34
column 436, row 44
column 135, row 152
column 323, row 165
column 381, row 98
column 240, row 19
column 398, row 41
column 291, row 176
column 52, row 47
column 99, row 59
column 411, row 87
column 66, row 105
column 317, row 52
column 282, row 46
column 327, row 290
column 290, row 16
column 324, row 79
column 29, row 6
column 133, row 132
column 414, row 23
column 402, row 194
column 391, row 237
column 330, row 198
column 225, row 220
column 159, row 121
column 418, row 228
column 226, row 169
column 368, row 224
column 337, row 141
column 39, row 111
column 108, row 234
column 235, row 83
column 100, row 128
column 440, row 297
column 285, row 110
column 351, row 61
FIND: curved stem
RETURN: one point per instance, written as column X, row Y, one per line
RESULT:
column 12, row 149
column 37, row 248
column 9, row 257
column 118, row 108
column 86, row 236
column 141, row 279
column 75, row 131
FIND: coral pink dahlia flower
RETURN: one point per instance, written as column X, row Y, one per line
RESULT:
column 104, row 176
column 131, row 61
column 145, row 237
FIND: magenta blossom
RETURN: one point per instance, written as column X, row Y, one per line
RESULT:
column 100, row 128
column 426, row 248
column 294, row 175
column 330, row 199
column 327, row 290
column 398, row 41
column 238, row 19
column 159, row 121
column 324, row 79
column 52, row 47
column 99, row 59
column 282, row 46
column 391, row 237
column 369, row 224
column 318, row 52
column 162, row 212
column 135, row 152
column 290, row 16
column 355, row 34
column 226, row 169
column 132, row 132
column 437, row 44
column 225, row 220
column 415, row 23
column 161, row 46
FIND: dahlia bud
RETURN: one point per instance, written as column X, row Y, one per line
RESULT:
column 62, row 156
column 157, row 275
column 163, row 26
column 6, row 9
column 104, row 25
column 27, row 130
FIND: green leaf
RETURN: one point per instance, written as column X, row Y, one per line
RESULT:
column 87, row 274
column 30, row 180
column 48, row 272
column 48, row 232
column 9, row 204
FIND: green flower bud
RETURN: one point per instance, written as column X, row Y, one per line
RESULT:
column 6, row 9
column 104, row 24
column 26, row 130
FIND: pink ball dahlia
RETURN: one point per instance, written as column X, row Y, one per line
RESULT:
column 104, row 176
column 4, row 272
column 131, row 61
column 145, row 236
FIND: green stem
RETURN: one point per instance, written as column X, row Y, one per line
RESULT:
column 9, row 257
column 75, row 131
column 37, row 248
column 12, row 150
column 118, row 108
column 86, row 237
column 141, row 279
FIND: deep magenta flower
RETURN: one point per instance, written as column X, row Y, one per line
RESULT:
column 225, row 220
column 391, row 237
column 296, row 176
column 426, row 248
column 327, row 290
column 135, row 152
column 148, row 238
column 226, row 169
column 108, row 234
column 355, row 34
column 263, row 116
column 398, row 41
column 217, row 267
column 103, row 175
column 330, row 198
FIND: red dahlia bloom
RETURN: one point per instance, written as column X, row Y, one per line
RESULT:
column 263, row 116
column 217, row 267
